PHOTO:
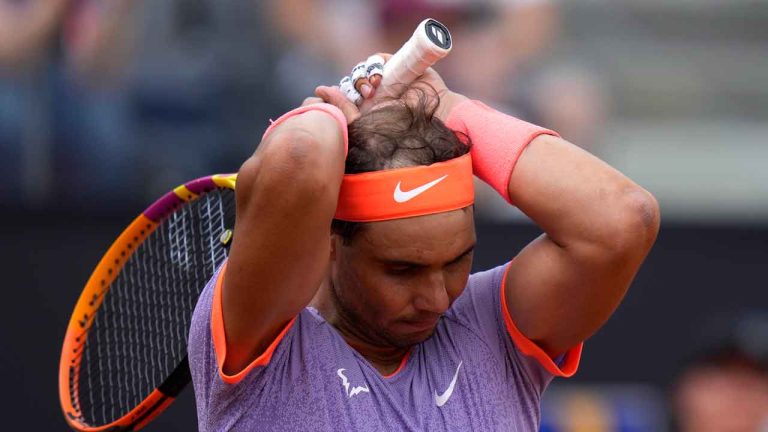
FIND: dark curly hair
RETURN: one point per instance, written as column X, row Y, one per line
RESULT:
column 403, row 132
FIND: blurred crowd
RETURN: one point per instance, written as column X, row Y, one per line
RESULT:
column 106, row 103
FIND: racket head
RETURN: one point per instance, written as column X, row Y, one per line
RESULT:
column 121, row 289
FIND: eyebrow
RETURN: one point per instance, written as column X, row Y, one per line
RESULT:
column 418, row 264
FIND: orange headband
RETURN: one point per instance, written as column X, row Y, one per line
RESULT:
column 406, row 192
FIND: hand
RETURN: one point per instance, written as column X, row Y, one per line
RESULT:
column 335, row 97
column 371, row 95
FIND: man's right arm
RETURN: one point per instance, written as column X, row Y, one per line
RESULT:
column 286, row 198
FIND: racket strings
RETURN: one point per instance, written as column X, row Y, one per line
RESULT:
column 139, row 335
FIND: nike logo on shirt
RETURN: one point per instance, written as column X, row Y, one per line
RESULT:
column 404, row 196
column 440, row 400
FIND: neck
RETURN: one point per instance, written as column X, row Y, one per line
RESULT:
column 384, row 357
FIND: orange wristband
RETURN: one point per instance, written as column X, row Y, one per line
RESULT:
column 328, row 108
column 497, row 139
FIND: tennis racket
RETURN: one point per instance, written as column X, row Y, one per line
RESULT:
column 124, row 354
column 124, row 357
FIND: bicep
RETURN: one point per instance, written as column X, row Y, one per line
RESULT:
column 555, row 300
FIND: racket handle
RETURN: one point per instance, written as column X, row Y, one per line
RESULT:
column 430, row 42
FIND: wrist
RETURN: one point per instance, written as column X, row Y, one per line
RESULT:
column 497, row 141
column 326, row 110
column 448, row 102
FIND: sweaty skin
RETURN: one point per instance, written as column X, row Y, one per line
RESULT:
column 560, row 289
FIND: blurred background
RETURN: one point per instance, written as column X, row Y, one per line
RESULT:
column 105, row 104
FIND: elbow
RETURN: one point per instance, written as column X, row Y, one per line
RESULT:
column 293, row 161
column 643, row 218
column 291, row 150
column 299, row 156
column 635, row 224
column 302, row 144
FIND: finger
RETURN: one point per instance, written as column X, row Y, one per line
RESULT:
column 335, row 97
column 364, row 87
column 374, row 68
column 311, row 100
column 373, row 77
column 360, row 79
column 346, row 87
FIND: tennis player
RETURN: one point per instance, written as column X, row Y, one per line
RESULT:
column 347, row 301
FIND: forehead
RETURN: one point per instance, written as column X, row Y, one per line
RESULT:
column 430, row 237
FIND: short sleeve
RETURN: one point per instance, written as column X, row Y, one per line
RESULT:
column 214, row 390
column 482, row 309
column 219, row 336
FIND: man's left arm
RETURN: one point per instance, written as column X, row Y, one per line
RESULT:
column 598, row 227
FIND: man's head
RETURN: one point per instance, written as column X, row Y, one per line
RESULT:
column 393, row 279
column 723, row 389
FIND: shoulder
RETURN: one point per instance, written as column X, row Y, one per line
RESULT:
column 491, row 278
column 477, row 309
column 481, row 293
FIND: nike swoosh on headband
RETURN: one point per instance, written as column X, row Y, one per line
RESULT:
column 405, row 196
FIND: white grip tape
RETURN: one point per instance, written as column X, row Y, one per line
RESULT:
column 346, row 87
column 359, row 72
column 374, row 65
column 413, row 58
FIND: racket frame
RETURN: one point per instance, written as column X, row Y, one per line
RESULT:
column 91, row 299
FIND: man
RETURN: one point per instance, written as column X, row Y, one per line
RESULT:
column 399, row 336
column 724, row 387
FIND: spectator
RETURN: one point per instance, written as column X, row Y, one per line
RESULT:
column 27, row 32
column 725, row 388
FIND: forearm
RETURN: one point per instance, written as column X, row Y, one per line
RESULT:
column 580, row 202
column 573, row 196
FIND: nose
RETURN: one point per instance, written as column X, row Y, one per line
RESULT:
column 431, row 294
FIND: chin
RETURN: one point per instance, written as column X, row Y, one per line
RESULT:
column 405, row 340
column 425, row 336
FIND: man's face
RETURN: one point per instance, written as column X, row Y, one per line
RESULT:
column 395, row 278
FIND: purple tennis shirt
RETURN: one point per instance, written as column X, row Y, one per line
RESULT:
column 475, row 373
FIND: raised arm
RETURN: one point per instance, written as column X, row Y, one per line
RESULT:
column 598, row 226
column 286, row 198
